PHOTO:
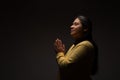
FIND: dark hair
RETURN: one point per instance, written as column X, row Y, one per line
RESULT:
column 87, row 24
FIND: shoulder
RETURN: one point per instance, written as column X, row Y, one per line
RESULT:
column 85, row 43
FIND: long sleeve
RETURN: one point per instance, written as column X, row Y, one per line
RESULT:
column 74, row 53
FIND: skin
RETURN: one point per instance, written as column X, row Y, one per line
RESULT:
column 77, row 31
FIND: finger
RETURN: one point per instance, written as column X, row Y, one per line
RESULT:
column 56, row 41
column 60, row 42
column 63, row 46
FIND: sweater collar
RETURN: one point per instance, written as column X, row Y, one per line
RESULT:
column 79, row 40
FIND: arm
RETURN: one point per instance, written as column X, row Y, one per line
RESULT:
column 78, row 52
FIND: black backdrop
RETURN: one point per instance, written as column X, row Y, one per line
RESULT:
column 28, row 30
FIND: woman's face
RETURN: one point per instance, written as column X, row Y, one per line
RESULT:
column 76, row 29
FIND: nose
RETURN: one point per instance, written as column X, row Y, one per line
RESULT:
column 71, row 26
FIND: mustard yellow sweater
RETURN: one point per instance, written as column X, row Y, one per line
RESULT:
column 76, row 64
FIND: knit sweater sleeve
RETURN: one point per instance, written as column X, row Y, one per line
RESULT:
column 79, row 51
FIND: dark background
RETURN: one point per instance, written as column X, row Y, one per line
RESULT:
column 28, row 30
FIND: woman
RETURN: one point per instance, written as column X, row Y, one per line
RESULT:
column 80, row 61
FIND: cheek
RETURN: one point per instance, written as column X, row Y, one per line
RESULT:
column 79, row 29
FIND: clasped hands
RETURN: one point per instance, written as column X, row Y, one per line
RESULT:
column 59, row 46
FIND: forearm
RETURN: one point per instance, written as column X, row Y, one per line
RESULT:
column 62, row 59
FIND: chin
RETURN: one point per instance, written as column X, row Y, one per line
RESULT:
column 72, row 35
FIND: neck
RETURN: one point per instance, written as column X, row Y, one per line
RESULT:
column 79, row 40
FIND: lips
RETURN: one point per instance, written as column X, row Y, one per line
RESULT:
column 72, row 30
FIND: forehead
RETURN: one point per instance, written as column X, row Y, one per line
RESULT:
column 77, row 20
